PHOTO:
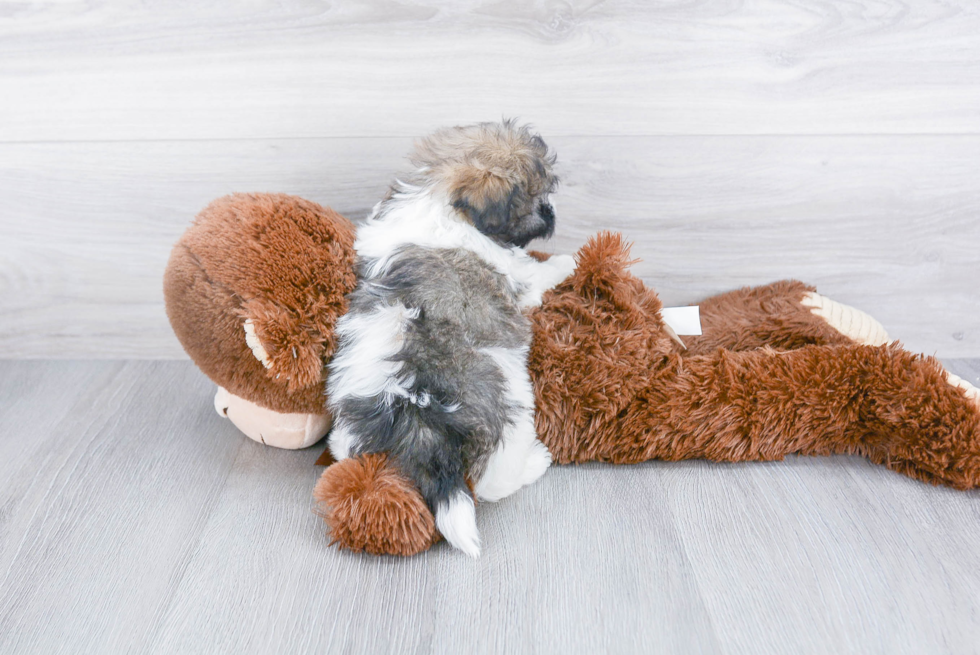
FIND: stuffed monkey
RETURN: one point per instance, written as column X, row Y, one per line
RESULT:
column 254, row 287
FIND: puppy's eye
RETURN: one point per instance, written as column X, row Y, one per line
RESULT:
column 546, row 211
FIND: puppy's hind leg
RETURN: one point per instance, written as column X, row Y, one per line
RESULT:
column 519, row 460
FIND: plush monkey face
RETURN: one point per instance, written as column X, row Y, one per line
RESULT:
column 498, row 176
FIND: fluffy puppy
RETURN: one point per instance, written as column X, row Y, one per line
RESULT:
column 431, row 361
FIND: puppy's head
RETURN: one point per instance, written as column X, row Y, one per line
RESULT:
column 498, row 176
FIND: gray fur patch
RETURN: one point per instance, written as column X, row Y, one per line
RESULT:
column 463, row 305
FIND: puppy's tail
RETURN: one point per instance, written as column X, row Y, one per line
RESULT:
column 431, row 455
column 456, row 520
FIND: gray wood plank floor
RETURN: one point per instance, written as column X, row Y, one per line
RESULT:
column 133, row 519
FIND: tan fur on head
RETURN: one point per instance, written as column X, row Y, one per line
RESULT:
column 491, row 172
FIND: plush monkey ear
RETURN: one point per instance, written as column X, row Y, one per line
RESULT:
column 485, row 198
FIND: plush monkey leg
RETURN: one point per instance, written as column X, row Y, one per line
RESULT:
column 609, row 385
column 785, row 315
column 896, row 408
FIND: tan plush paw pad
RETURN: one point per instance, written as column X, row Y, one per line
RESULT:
column 253, row 342
column 851, row 322
column 971, row 391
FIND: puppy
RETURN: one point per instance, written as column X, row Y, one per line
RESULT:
column 431, row 361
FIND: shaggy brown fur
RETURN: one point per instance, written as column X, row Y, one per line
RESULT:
column 882, row 402
column 285, row 263
column 611, row 386
column 754, row 317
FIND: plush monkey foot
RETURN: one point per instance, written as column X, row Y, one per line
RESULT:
column 865, row 330
column 933, row 426
column 290, row 431
column 370, row 507
column 972, row 393
column 851, row 322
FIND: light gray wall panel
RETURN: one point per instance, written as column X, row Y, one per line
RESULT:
column 890, row 225
column 131, row 70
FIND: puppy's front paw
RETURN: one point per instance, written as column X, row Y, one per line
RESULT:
column 547, row 275
column 255, row 345
column 564, row 266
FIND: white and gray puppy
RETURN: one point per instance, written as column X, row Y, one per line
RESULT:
column 431, row 361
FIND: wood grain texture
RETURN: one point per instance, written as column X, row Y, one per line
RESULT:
column 108, row 476
column 127, row 70
column 886, row 224
column 134, row 519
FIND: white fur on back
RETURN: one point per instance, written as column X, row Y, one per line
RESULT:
column 363, row 368
column 512, row 363
column 456, row 520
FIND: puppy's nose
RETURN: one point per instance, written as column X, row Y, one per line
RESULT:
column 546, row 211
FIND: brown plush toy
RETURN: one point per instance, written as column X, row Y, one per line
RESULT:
column 778, row 369
column 253, row 289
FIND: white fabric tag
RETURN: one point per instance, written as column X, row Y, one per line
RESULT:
column 683, row 320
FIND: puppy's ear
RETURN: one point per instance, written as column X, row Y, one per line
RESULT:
column 487, row 199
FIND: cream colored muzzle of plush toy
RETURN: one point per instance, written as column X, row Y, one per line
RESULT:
column 271, row 428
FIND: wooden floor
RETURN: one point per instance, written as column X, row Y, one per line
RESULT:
column 133, row 519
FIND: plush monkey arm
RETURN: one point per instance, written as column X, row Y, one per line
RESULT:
column 784, row 315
